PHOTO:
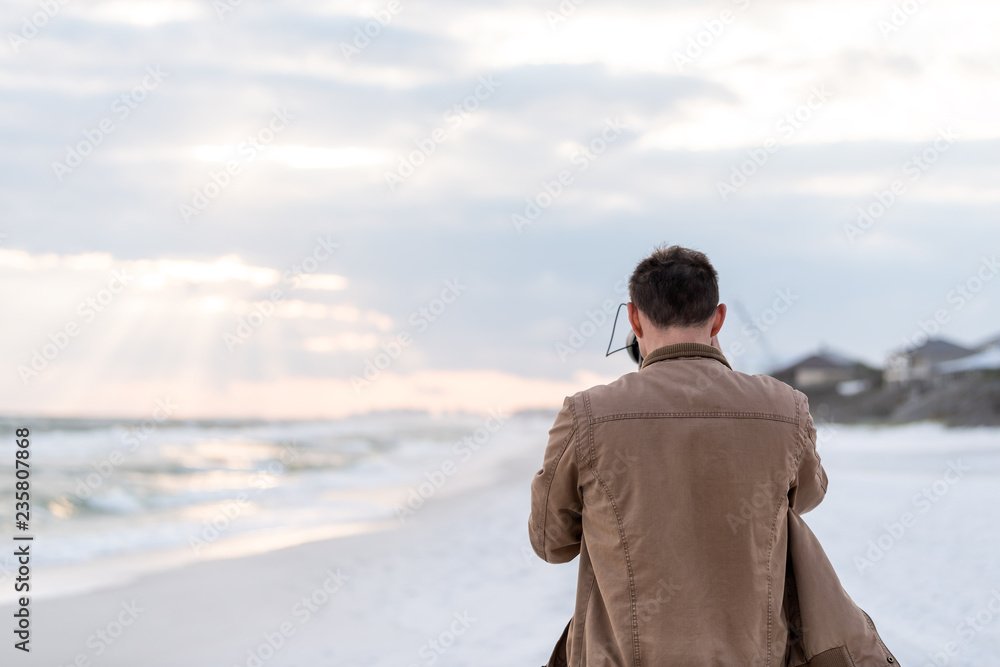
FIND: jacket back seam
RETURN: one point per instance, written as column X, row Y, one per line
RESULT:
column 586, row 606
column 770, row 583
column 633, row 603
column 733, row 414
column 770, row 550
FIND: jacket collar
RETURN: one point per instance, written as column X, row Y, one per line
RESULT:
column 680, row 350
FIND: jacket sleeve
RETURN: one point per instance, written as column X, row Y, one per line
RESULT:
column 809, row 483
column 555, row 525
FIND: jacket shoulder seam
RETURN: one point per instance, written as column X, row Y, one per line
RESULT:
column 800, row 433
column 590, row 430
column 552, row 476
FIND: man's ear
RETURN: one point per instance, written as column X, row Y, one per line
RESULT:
column 633, row 319
column 720, row 317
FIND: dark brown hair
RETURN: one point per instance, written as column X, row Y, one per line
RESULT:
column 675, row 286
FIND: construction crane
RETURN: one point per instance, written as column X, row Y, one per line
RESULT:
column 769, row 355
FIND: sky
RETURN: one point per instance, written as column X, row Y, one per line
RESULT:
column 312, row 209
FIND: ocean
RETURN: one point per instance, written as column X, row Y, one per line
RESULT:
column 138, row 496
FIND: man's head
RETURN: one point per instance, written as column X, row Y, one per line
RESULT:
column 675, row 299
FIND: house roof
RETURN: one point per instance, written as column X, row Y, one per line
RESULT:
column 822, row 359
column 938, row 349
column 986, row 360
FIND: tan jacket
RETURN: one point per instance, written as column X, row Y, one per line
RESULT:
column 674, row 485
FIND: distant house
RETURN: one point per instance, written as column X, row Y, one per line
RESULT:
column 826, row 370
column 922, row 362
column 987, row 360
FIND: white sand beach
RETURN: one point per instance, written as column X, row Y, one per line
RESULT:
column 457, row 584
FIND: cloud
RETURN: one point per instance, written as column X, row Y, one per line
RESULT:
column 301, row 157
column 356, row 119
column 311, row 398
column 348, row 341
column 146, row 13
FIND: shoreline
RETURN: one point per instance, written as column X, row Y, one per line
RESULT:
column 337, row 600
column 68, row 580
